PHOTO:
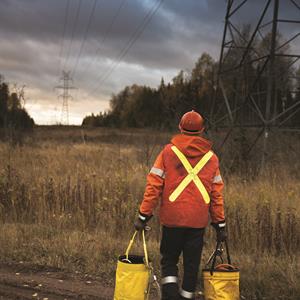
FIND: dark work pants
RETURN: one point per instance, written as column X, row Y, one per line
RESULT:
column 175, row 241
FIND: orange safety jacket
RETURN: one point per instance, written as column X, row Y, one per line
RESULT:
column 186, row 178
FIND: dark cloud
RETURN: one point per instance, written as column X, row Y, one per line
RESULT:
column 43, row 21
column 32, row 31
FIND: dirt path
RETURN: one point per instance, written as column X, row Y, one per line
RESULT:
column 18, row 281
column 23, row 282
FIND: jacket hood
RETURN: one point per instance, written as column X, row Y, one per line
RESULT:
column 191, row 145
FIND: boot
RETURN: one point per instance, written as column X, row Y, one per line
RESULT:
column 170, row 292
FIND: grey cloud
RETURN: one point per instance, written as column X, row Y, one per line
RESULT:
column 42, row 20
column 31, row 36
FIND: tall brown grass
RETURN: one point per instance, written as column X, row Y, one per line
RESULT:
column 69, row 198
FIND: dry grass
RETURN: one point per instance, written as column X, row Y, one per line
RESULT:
column 72, row 204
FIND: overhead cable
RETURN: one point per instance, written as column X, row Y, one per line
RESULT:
column 107, row 32
column 138, row 32
column 91, row 16
column 73, row 31
column 64, row 34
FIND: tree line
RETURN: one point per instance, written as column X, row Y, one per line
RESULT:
column 142, row 106
column 13, row 117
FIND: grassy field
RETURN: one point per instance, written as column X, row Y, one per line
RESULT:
column 68, row 198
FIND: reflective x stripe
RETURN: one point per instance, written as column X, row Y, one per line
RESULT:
column 186, row 294
column 217, row 179
column 169, row 279
column 158, row 172
column 192, row 175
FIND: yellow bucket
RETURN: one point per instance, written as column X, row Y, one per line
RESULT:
column 133, row 275
column 222, row 284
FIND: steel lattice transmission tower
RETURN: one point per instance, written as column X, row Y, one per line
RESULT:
column 65, row 80
column 252, row 85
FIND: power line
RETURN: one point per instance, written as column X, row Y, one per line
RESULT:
column 106, row 34
column 138, row 32
column 85, row 36
column 64, row 33
column 73, row 31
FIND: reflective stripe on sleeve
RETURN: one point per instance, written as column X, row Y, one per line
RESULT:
column 186, row 294
column 169, row 279
column 221, row 225
column 142, row 217
column 158, row 172
column 217, row 179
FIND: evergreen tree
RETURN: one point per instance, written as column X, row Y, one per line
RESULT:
column 12, row 115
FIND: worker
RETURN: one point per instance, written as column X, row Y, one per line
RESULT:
column 186, row 180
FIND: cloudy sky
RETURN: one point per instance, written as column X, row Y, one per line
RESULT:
column 106, row 45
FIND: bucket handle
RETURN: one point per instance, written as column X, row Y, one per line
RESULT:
column 144, row 246
column 218, row 253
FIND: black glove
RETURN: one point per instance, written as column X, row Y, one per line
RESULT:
column 221, row 231
column 141, row 222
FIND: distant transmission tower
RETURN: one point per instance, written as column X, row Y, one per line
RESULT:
column 66, row 80
column 252, row 87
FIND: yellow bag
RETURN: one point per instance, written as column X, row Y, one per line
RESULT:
column 133, row 275
column 221, row 282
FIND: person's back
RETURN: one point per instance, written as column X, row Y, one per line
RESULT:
column 187, row 180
